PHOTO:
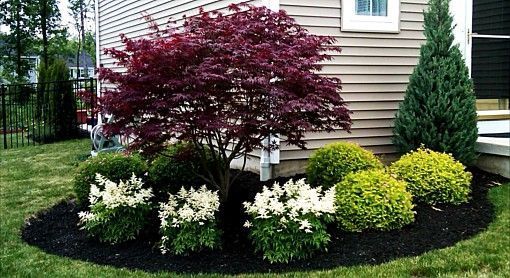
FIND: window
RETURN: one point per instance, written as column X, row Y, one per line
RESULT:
column 83, row 73
column 371, row 16
column 371, row 7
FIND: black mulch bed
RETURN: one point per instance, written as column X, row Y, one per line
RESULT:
column 55, row 231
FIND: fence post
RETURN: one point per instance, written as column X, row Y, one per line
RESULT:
column 3, row 92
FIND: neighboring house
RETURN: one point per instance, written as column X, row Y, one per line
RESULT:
column 380, row 42
column 33, row 62
column 77, row 70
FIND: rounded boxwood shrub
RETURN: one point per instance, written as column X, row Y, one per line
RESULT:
column 433, row 177
column 331, row 163
column 372, row 199
column 176, row 167
column 113, row 166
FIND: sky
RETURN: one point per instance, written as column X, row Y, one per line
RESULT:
column 66, row 18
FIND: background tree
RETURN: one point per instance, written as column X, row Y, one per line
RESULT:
column 62, row 44
column 65, row 45
column 42, row 93
column 17, row 15
column 224, row 84
column 47, row 22
column 89, row 45
column 439, row 108
column 31, row 25
column 61, row 100
column 80, row 10
column 5, row 69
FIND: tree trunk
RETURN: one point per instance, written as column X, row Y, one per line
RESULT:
column 78, row 53
column 44, row 16
column 225, row 184
column 82, row 17
column 18, row 40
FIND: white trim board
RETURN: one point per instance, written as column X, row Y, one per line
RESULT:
column 498, row 126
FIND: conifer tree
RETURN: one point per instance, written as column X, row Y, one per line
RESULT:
column 439, row 108
column 62, row 101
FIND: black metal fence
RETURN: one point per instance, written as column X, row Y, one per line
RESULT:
column 39, row 113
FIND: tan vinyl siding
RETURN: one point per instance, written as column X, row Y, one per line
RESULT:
column 287, row 156
column 125, row 17
column 374, row 69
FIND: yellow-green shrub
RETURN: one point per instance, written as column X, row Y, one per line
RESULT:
column 331, row 163
column 433, row 177
column 372, row 199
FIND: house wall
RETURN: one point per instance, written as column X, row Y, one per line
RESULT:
column 115, row 17
column 374, row 69
column 125, row 16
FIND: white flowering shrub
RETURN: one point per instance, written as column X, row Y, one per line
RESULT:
column 189, row 221
column 117, row 211
column 289, row 222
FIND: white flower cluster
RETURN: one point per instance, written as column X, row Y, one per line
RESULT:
column 187, row 206
column 129, row 193
column 291, row 202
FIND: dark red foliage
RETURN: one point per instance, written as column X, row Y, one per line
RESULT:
column 89, row 99
column 226, row 82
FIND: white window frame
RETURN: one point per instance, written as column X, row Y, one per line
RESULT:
column 351, row 22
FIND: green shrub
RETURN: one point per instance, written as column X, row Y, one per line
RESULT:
column 372, row 199
column 189, row 221
column 114, row 166
column 176, row 167
column 62, row 104
column 289, row 222
column 331, row 163
column 433, row 177
column 439, row 106
column 118, row 212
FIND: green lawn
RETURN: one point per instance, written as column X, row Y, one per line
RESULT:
column 34, row 178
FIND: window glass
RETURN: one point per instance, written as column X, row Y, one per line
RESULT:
column 371, row 7
column 379, row 7
column 490, row 62
column 490, row 70
column 491, row 17
column 363, row 7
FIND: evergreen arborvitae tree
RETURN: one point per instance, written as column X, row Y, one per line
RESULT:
column 439, row 109
column 62, row 100
column 42, row 96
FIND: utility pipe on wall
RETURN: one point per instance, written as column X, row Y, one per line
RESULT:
column 268, row 157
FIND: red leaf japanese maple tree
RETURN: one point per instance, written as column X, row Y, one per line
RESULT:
column 224, row 83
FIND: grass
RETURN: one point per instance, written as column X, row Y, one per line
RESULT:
column 16, row 140
column 34, row 178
